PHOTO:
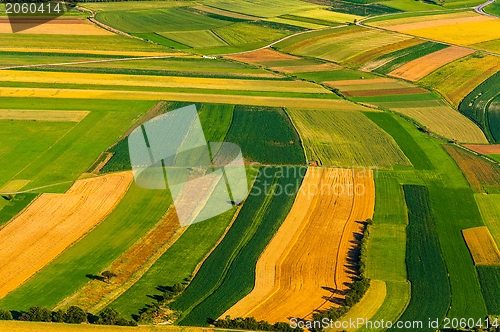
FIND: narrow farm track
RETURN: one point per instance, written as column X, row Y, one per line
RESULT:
column 311, row 270
column 52, row 223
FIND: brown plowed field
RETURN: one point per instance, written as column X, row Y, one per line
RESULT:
column 52, row 223
column 305, row 267
column 421, row 67
column 484, row 149
column 482, row 247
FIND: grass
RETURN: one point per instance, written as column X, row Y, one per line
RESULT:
column 483, row 175
column 265, row 135
column 335, row 75
column 346, row 139
column 158, row 20
column 228, row 273
column 411, row 149
column 459, row 78
column 489, row 205
column 489, row 277
column 139, row 210
column 493, row 8
column 245, row 33
column 156, row 38
column 67, row 150
column 400, row 57
column 371, row 9
column 430, row 288
column 480, row 107
column 262, row 8
column 196, row 38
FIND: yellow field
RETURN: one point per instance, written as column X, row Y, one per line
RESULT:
column 260, row 56
column 306, row 265
column 328, row 15
column 19, row 326
column 481, row 245
column 51, row 28
column 13, row 186
column 469, row 33
column 161, row 81
column 445, row 20
column 302, row 103
column 52, row 223
column 307, row 25
column 368, row 306
column 421, row 67
column 47, row 116
column 446, row 122
column 427, row 18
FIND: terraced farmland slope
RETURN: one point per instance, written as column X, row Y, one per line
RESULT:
column 293, row 277
column 54, row 222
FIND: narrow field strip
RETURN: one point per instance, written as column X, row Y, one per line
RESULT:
column 484, row 148
column 94, row 52
column 13, row 186
column 59, row 28
column 385, row 92
column 47, row 116
column 482, row 247
column 304, row 103
column 311, row 267
column 421, row 67
column 438, row 23
column 161, row 81
column 52, row 223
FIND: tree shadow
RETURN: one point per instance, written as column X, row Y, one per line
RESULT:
column 95, row 277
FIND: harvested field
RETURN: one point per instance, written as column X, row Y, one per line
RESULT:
column 161, row 81
column 59, row 27
column 446, row 122
column 475, row 31
column 365, row 59
column 482, row 247
column 369, row 304
column 47, row 116
column 262, row 55
column 346, row 139
column 484, row 149
column 385, row 92
column 52, row 223
column 307, row 68
column 292, row 273
column 416, row 19
column 304, row 103
column 483, row 175
column 421, row 67
column 424, row 23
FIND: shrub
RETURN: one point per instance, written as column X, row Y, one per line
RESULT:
column 5, row 315
column 75, row 315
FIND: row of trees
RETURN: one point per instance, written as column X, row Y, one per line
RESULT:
column 250, row 323
column 73, row 315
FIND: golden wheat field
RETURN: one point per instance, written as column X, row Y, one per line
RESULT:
column 52, row 223
column 45, row 115
column 58, row 27
column 305, row 267
column 482, row 247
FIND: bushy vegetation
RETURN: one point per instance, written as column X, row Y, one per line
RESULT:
column 265, row 135
column 482, row 107
column 489, row 278
column 427, row 273
column 400, row 57
column 250, row 323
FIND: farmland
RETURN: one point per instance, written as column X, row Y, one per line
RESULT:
column 292, row 258
column 489, row 276
column 481, row 245
column 336, row 139
column 426, row 267
column 489, row 205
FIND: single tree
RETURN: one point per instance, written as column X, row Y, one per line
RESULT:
column 108, row 316
column 58, row 316
column 108, row 275
column 75, row 315
column 5, row 315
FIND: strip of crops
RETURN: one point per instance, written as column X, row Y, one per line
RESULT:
column 14, row 206
column 405, row 141
column 265, row 135
column 372, row 9
column 489, row 277
column 403, row 56
column 228, row 274
column 477, row 106
column 430, row 287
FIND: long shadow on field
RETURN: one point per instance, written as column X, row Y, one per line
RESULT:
column 95, row 277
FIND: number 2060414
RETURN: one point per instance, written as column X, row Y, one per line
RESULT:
column 32, row 8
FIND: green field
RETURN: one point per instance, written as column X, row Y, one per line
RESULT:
column 482, row 106
column 336, row 138
column 228, row 273
column 489, row 277
column 262, row 8
column 493, row 8
column 246, row 33
column 430, row 288
column 489, row 205
column 136, row 213
column 371, row 9
column 8, row 209
column 335, row 75
column 66, row 149
column 196, row 38
column 158, row 20
column 398, row 58
column 265, row 135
